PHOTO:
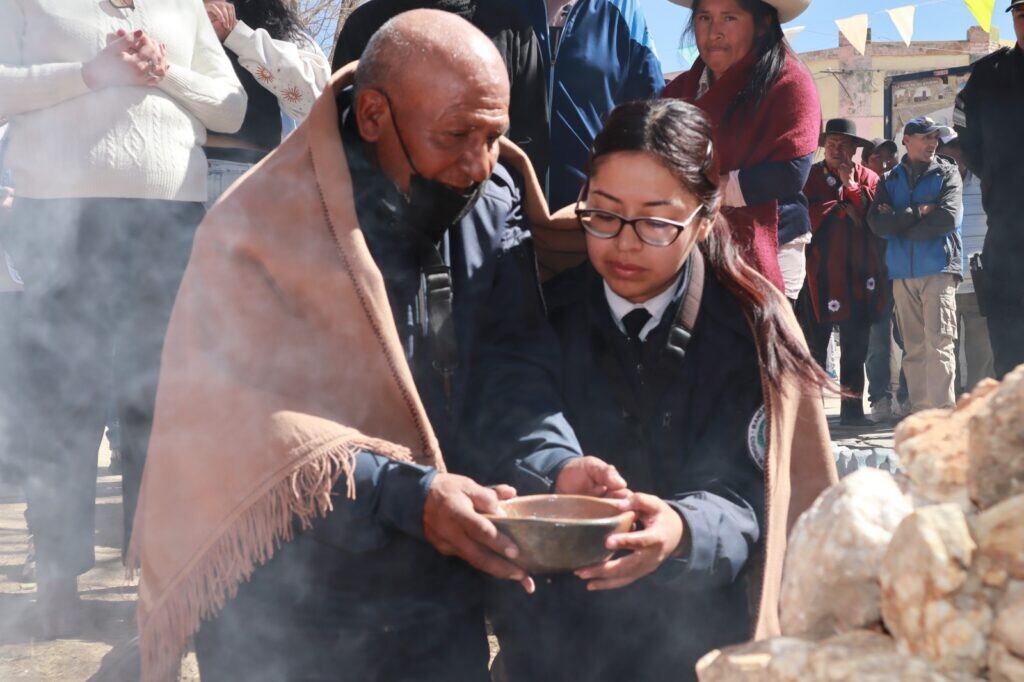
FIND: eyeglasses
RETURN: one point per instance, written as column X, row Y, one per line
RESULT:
column 122, row 4
column 651, row 231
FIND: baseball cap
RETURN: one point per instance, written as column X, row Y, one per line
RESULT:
column 922, row 125
column 881, row 142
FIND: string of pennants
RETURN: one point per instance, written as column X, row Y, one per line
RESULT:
column 855, row 28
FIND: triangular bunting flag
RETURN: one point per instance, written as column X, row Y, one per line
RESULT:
column 855, row 29
column 982, row 11
column 793, row 31
column 903, row 18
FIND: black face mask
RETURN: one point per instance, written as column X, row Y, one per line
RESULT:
column 434, row 206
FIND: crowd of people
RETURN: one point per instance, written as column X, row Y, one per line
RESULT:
column 499, row 256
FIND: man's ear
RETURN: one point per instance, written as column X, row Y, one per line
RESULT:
column 372, row 114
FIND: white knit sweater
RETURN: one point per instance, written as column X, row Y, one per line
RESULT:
column 67, row 141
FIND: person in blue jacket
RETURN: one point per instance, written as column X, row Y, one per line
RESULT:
column 674, row 355
column 918, row 211
column 596, row 54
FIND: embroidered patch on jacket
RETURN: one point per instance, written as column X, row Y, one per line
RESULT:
column 512, row 237
column 757, row 437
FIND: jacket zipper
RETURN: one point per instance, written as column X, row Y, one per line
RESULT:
column 912, row 190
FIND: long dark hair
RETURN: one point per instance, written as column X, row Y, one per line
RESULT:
column 679, row 136
column 769, row 46
column 276, row 16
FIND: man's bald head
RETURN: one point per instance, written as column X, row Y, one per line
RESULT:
column 432, row 96
column 426, row 44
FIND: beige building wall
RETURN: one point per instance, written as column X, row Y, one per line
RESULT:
column 852, row 85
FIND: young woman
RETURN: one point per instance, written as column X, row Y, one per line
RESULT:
column 282, row 70
column 684, row 368
column 765, row 109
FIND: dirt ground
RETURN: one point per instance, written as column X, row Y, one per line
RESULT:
column 110, row 598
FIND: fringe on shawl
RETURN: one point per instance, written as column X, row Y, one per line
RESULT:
column 250, row 540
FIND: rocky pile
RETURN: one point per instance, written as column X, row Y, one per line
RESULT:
column 914, row 577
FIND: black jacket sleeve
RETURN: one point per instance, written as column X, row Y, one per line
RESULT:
column 774, row 180
column 519, row 434
column 389, row 498
column 721, row 530
column 967, row 120
column 528, row 107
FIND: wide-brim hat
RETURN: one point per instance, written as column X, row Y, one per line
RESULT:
column 1014, row 3
column 844, row 127
column 788, row 9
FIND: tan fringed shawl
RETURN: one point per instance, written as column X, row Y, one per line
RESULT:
column 281, row 363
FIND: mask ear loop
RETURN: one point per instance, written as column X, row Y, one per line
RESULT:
column 398, row 133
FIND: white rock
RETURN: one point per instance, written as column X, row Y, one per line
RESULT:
column 996, row 444
column 855, row 656
column 932, row 446
column 928, row 603
column 1003, row 666
column 1009, row 626
column 830, row 582
column 999, row 531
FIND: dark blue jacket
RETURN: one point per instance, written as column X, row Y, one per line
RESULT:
column 688, row 431
column 918, row 246
column 605, row 57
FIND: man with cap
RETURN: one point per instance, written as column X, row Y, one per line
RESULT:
column 918, row 211
column 845, row 272
column 880, row 156
column 989, row 112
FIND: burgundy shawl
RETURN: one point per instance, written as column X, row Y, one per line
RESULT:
column 846, row 272
column 784, row 126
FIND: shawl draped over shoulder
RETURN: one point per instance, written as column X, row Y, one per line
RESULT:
column 281, row 364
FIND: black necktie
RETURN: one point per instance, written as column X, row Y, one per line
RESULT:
column 634, row 322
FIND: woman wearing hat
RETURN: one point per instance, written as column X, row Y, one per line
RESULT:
column 767, row 118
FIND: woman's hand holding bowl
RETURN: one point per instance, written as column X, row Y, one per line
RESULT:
column 591, row 476
column 662, row 534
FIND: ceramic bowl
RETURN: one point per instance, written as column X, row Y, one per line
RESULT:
column 561, row 533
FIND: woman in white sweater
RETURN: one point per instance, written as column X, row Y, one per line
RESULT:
column 109, row 103
column 282, row 70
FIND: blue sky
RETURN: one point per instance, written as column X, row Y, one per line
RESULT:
column 942, row 20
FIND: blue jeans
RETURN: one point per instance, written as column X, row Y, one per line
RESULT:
column 877, row 363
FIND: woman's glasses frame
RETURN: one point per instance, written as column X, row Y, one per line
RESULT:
column 122, row 4
column 586, row 215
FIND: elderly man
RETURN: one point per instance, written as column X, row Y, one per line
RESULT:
column 846, row 283
column 364, row 301
column 988, row 112
column 500, row 21
column 918, row 211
